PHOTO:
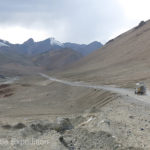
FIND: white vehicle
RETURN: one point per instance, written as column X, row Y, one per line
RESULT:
column 140, row 88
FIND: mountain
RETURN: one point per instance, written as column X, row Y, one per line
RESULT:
column 123, row 60
column 58, row 59
column 30, row 47
column 83, row 48
column 3, row 44
column 48, row 54
column 91, row 47
column 74, row 46
column 14, row 63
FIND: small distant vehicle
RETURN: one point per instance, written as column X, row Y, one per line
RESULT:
column 140, row 88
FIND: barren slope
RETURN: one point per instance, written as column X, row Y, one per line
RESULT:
column 123, row 59
column 56, row 59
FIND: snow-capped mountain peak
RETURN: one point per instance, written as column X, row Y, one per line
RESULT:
column 55, row 42
column 3, row 44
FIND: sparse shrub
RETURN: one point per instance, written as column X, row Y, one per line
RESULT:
column 19, row 126
column 7, row 126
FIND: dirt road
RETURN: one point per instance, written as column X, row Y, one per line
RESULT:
column 121, row 91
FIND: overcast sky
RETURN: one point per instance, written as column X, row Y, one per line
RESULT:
column 80, row 21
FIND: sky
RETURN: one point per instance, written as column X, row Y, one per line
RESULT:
column 78, row 21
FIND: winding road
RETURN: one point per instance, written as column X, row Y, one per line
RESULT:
column 121, row 91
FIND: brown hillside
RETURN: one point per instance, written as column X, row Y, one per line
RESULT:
column 56, row 60
column 123, row 59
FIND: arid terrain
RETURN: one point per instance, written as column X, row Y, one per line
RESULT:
column 74, row 75
column 123, row 60
column 72, row 117
column 89, row 106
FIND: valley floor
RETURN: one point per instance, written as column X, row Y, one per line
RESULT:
column 67, row 117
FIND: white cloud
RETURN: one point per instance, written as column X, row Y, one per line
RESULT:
column 18, row 34
column 136, row 9
column 81, row 21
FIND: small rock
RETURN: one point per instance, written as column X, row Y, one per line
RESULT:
column 131, row 117
column 63, row 124
column 107, row 122
column 60, row 125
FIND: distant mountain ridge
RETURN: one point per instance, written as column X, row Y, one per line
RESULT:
column 83, row 48
column 30, row 47
column 48, row 54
